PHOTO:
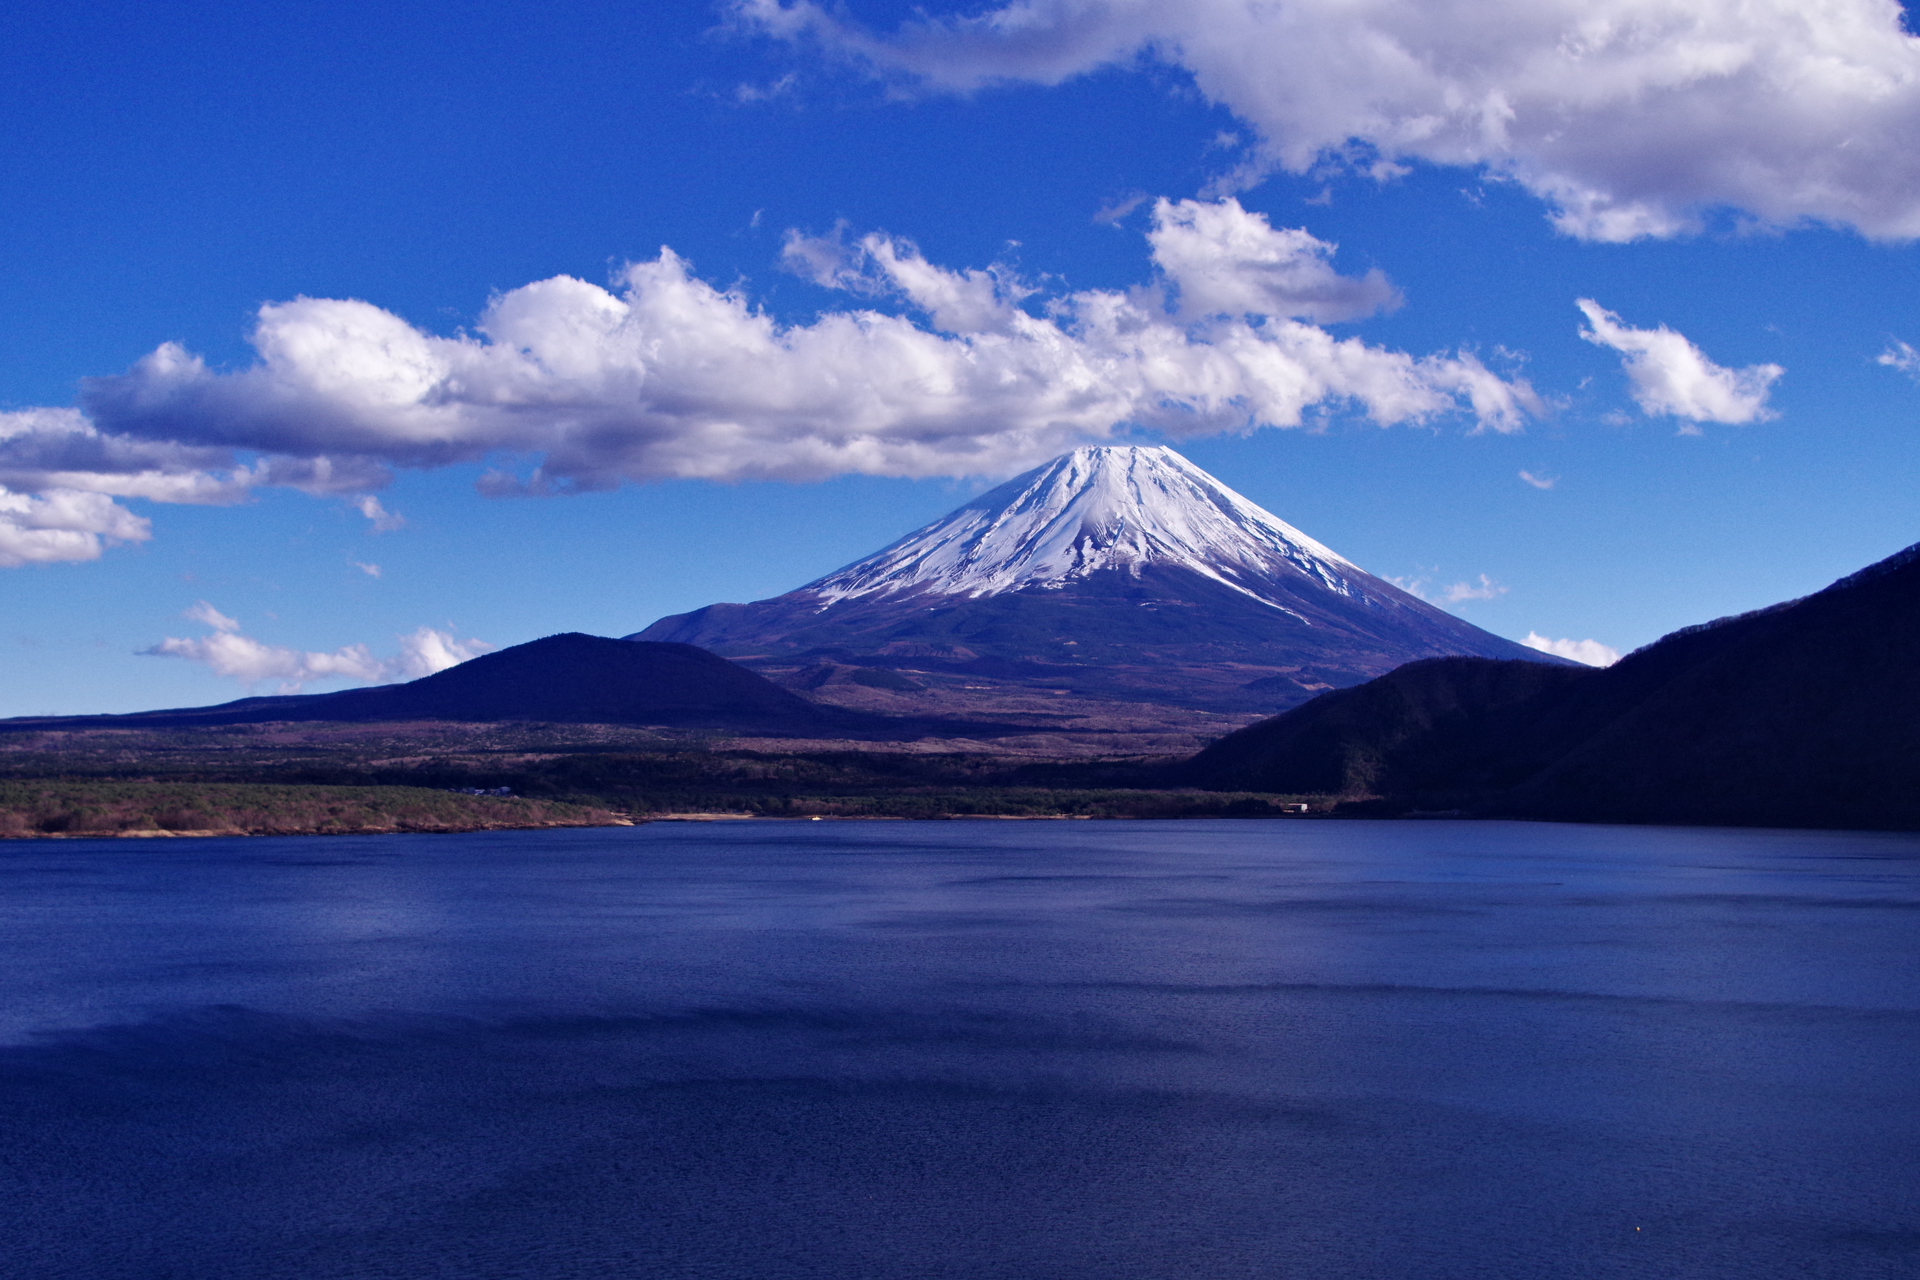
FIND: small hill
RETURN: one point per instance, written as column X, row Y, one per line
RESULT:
column 1428, row 727
column 1803, row 714
column 569, row 678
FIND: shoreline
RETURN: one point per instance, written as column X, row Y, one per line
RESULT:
column 208, row 833
column 71, row 809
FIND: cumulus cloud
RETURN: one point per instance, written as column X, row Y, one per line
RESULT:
column 250, row 661
column 1902, row 357
column 1226, row 261
column 667, row 376
column 570, row 387
column 956, row 302
column 60, row 475
column 426, row 651
column 63, row 524
column 1630, row 118
column 229, row 653
column 42, row 449
column 1591, row 652
column 1671, row 376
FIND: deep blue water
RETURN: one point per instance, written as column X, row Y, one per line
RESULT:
column 998, row 1051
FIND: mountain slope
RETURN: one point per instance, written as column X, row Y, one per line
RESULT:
column 569, row 678
column 1097, row 509
column 1803, row 714
column 1121, row 573
column 1428, row 728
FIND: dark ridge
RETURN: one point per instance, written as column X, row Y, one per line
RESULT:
column 1803, row 714
column 568, row 678
column 1421, row 728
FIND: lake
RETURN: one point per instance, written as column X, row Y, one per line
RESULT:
column 979, row 1050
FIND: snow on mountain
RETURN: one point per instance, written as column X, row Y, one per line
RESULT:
column 1103, row 507
column 1113, row 574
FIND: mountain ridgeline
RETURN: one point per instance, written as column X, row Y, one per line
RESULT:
column 1121, row 577
column 1803, row 714
column 569, row 679
column 1117, row 573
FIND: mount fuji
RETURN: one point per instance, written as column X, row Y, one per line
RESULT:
column 1122, row 574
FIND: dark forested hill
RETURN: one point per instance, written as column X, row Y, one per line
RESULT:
column 569, row 678
column 1803, row 714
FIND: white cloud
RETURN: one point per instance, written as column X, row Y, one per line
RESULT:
column 60, row 474
column 427, row 651
column 1631, row 118
column 250, row 661
column 1671, row 376
column 1591, row 652
column 1539, row 482
column 63, row 524
column 957, row 302
column 1227, row 261
column 1903, row 358
column 44, row 449
column 240, row 657
column 207, row 615
column 384, row 521
column 665, row 376
column 371, row 570
column 1462, row 592
column 670, row 377
column 1451, row 594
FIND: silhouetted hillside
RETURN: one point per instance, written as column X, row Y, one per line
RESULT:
column 569, row 678
column 1803, row 714
column 1423, row 727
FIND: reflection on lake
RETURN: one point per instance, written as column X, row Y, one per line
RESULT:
column 992, row 1051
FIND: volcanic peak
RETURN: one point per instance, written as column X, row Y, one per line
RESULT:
column 1102, row 507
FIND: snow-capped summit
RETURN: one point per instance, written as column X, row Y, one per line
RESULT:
column 1113, row 574
column 1103, row 507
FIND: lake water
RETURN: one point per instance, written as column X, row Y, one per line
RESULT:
column 991, row 1051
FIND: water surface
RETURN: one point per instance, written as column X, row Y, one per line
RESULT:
column 991, row 1051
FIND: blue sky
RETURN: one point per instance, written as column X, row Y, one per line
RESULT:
column 911, row 256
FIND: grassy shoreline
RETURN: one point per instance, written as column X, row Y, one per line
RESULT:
column 93, row 809
column 299, row 779
column 57, row 809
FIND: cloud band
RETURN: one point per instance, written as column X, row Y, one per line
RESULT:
column 666, row 376
column 1630, row 118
